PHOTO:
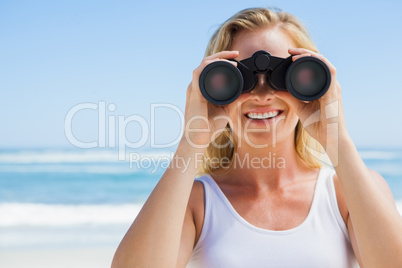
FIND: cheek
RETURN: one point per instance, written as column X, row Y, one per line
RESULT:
column 234, row 109
column 234, row 113
column 235, row 117
column 291, row 119
column 288, row 122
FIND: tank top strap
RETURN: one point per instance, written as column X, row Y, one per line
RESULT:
column 330, row 204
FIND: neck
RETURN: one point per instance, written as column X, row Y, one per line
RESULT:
column 270, row 167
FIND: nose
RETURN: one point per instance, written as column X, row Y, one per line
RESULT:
column 262, row 91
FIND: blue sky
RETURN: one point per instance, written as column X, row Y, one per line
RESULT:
column 55, row 55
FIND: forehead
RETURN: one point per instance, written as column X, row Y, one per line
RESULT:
column 273, row 40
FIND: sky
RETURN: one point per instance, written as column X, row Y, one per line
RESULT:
column 96, row 67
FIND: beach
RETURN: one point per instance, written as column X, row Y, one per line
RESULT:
column 68, row 208
column 73, row 256
column 60, row 258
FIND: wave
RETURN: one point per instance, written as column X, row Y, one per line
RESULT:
column 43, row 215
column 112, row 156
column 30, row 214
column 121, row 168
column 67, row 156
column 380, row 154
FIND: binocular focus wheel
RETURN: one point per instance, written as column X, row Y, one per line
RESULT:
column 221, row 83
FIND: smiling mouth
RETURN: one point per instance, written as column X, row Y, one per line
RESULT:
column 263, row 116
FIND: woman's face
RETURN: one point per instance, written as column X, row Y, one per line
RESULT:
column 260, row 102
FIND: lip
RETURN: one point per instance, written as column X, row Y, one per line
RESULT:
column 263, row 122
column 263, row 110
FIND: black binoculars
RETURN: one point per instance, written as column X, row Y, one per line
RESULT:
column 307, row 78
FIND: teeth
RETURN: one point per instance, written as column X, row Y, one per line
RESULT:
column 262, row 115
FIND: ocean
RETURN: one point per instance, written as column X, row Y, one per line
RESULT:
column 72, row 198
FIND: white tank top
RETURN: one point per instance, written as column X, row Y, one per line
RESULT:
column 228, row 240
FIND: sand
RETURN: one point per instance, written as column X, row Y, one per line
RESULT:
column 57, row 258
column 75, row 255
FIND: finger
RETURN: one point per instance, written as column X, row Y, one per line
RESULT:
column 294, row 51
column 230, row 61
column 224, row 55
column 205, row 63
column 299, row 50
column 302, row 51
column 301, row 56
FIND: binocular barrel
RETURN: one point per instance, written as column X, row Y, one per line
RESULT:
column 307, row 78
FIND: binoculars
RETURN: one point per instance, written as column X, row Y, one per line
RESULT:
column 307, row 78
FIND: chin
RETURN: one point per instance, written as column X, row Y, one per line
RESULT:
column 261, row 140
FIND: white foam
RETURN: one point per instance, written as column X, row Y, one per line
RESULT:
column 105, row 168
column 109, row 156
column 386, row 168
column 28, row 214
column 96, row 156
column 45, row 215
column 376, row 154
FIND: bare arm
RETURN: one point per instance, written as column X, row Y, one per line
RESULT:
column 373, row 218
column 153, row 239
column 164, row 228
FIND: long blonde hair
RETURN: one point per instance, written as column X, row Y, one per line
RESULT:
column 224, row 146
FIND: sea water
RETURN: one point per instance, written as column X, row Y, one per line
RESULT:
column 58, row 198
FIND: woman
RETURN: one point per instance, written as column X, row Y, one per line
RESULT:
column 247, row 210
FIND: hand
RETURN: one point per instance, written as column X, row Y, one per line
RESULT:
column 204, row 121
column 323, row 119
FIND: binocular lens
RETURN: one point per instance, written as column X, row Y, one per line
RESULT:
column 222, row 82
column 308, row 78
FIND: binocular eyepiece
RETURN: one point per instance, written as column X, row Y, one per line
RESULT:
column 307, row 78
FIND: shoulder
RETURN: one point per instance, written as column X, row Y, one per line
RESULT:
column 196, row 204
column 340, row 198
column 197, row 194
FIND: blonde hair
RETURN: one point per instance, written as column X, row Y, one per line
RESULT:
column 224, row 146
